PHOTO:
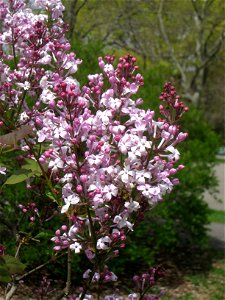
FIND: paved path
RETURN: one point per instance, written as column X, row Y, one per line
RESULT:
column 212, row 202
column 217, row 231
column 217, row 235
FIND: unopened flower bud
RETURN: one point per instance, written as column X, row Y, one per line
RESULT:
column 173, row 171
column 175, row 181
column 51, row 104
column 64, row 227
column 180, row 167
column 181, row 137
column 123, row 238
column 79, row 189
column 57, row 248
column 42, row 160
column 83, row 178
column 136, row 278
column 58, row 232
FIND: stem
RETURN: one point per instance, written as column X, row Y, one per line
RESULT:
column 20, row 105
column 24, row 95
column 14, row 286
column 40, row 266
column 13, row 49
column 92, row 229
column 87, row 286
column 93, row 235
column 144, row 292
column 42, row 170
column 69, row 269
column 18, row 249
column 11, row 292
column 98, row 294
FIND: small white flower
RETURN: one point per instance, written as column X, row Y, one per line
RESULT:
column 122, row 222
column 2, row 170
column 71, row 199
column 47, row 96
column 108, row 68
column 153, row 193
column 132, row 205
column 127, row 175
column 175, row 155
column 133, row 296
column 109, row 191
column 56, row 164
column 25, row 85
column 103, row 243
column 46, row 59
column 76, row 247
column 86, row 274
column 141, row 176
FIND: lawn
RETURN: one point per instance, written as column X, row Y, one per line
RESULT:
column 217, row 216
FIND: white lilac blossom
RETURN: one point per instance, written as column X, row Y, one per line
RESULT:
column 2, row 170
column 76, row 247
column 104, row 159
column 132, row 206
column 103, row 243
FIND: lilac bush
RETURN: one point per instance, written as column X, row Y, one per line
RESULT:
column 105, row 160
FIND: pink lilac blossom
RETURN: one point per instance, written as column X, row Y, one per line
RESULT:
column 106, row 158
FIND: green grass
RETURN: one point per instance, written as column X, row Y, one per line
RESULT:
column 217, row 216
column 220, row 160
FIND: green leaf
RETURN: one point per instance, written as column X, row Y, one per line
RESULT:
column 13, row 265
column 19, row 176
column 42, row 235
column 4, row 274
column 50, row 195
column 33, row 166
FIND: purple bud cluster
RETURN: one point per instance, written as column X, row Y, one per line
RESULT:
column 149, row 278
column 172, row 103
column 30, row 211
column 68, row 238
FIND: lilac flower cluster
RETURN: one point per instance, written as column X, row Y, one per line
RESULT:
column 111, row 158
column 105, row 158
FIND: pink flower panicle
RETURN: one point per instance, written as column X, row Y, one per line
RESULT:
column 102, row 150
